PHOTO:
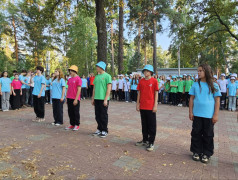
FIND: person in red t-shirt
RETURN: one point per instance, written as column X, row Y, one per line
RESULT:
column 147, row 105
column 91, row 79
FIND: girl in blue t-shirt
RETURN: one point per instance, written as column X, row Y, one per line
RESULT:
column 5, row 90
column 47, row 89
column 232, row 92
column 204, row 106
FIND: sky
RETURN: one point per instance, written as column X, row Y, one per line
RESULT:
column 162, row 38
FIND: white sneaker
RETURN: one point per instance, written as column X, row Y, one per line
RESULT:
column 97, row 133
column 57, row 124
column 4, row 110
column 103, row 134
column 53, row 124
column 126, row 101
column 76, row 128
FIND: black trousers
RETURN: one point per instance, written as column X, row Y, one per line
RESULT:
column 114, row 95
column 16, row 100
column 47, row 96
column 202, row 136
column 187, row 96
column 39, row 106
column 101, row 115
column 223, row 101
column 73, row 112
column 134, row 95
column 148, row 123
column 88, row 91
column 30, row 101
column 160, row 99
column 180, row 98
column 57, row 111
column 23, row 97
column 174, row 98
column 91, row 90
column 120, row 95
column 84, row 93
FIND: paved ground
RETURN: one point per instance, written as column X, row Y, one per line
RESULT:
column 32, row 150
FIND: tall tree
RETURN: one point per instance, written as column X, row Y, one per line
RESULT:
column 121, row 29
column 101, row 31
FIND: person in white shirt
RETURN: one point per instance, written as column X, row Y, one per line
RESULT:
column 161, row 89
column 114, row 88
column 120, row 87
column 223, row 87
column 126, row 88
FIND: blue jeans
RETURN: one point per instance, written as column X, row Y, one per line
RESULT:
column 232, row 103
column 127, row 98
column 165, row 97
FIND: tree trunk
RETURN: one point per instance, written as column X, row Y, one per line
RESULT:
column 120, row 48
column 15, row 37
column 154, row 45
column 112, row 46
column 101, row 31
column 139, row 37
column 145, row 54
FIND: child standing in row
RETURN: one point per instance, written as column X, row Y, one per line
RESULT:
column 73, row 98
column 203, row 111
column 84, row 87
column 58, row 95
column 232, row 92
column 174, row 90
column 47, row 89
column 16, row 92
column 5, row 90
column 180, row 91
column 147, row 105
column 39, row 94
column 114, row 88
column 126, row 89
column 188, row 84
column 166, row 91
column 100, row 99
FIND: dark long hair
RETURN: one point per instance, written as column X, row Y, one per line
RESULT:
column 209, row 78
column 134, row 78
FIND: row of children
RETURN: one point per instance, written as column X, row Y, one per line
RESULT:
column 204, row 103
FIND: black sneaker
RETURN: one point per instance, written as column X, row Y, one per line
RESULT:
column 97, row 133
column 141, row 143
column 205, row 159
column 196, row 157
column 150, row 147
column 103, row 134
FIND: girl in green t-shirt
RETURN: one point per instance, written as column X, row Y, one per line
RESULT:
column 166, row 90
column 188, row 85
column 174, row 90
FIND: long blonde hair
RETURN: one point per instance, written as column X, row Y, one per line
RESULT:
column 61, row 74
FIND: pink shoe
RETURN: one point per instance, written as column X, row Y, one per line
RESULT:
column 76, row 128
column 70, row 127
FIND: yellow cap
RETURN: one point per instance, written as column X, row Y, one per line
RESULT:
column 74, row 68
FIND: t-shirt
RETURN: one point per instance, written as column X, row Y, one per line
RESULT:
column 73, row 84
column 232, row 88
column 12, row 77
column 188, row 84
column 174, row 89
column 57, row 88
column 204, row 102
column 114, row 85
column 100, row 83
column 23, row 78
column 5, row 84
column 167, row 86
column 27, row 80
column 127, row 86
column 47, row 82
column 147, row 90
column 84, row 83
column 120, row 83
column 223, row 85
column 66, row 84
column 180, row 86
column 38, row 81
column 161, row 83
column 134, row 84
column 16, row 84
column 92, row 80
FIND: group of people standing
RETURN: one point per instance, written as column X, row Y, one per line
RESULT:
column 201, row 93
